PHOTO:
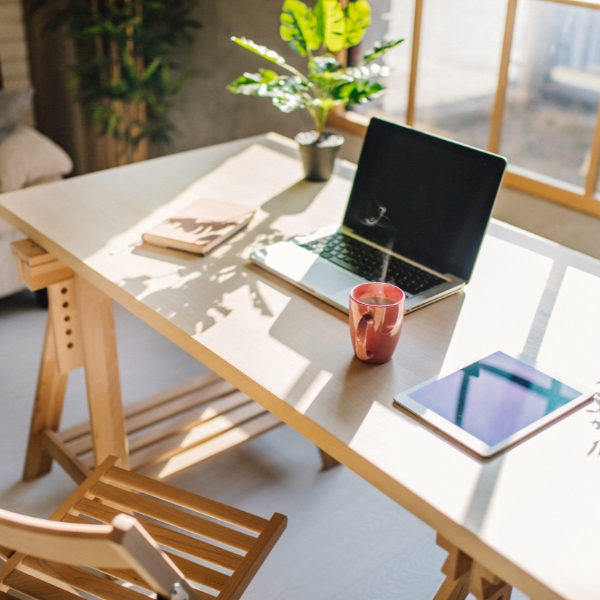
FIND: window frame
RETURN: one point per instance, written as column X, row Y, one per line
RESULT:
column 583, row 199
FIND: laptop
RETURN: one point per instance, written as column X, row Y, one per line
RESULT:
column 416, row 217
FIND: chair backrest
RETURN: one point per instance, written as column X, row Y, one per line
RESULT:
column 124, row 544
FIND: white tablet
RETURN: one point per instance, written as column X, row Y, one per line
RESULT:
column 493, row 403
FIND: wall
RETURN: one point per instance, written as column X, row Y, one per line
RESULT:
column 14, row 71
column 205, row 112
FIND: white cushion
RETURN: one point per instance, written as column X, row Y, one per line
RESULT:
column 28, row 157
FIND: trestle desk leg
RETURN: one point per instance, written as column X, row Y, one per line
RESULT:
column 101, row 373
column 465, row 576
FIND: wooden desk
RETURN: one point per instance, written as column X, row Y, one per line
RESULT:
column 528, row 515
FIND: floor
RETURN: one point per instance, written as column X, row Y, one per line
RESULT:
column 345, row 539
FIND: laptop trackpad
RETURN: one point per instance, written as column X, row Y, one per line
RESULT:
column 331, row 282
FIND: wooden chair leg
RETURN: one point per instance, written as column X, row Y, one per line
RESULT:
column 327, row 461
column 464, row 576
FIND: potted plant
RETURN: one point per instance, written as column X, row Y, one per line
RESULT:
column 122, row 74
column 318, row 33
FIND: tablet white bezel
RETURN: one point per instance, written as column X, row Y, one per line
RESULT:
column 469, row 441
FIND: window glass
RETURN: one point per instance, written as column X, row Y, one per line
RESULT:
column 461, row 43
column 554, row 89
column 391, row 19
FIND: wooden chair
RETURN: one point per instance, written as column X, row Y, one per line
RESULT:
column 103, row 542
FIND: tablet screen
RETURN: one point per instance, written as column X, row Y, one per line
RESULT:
column 494, row 398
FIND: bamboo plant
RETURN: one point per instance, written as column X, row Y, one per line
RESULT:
column 123, row 75
column 319, row 34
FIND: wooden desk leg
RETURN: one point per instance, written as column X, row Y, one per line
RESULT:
column 101, row 373
column 47, row 408
column 464, row 576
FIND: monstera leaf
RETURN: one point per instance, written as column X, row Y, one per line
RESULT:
column 358, row 92
column 263, row 51
column 266, row 83
column 379, row 49
column 358, row 18
column 299, row 27
column 331, row 24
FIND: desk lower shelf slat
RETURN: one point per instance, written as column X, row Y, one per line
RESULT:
column 177, row 428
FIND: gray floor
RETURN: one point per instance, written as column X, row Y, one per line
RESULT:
column 344, row 540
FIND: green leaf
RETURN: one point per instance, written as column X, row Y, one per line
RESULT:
column 331, row 15
column 323, row 64
column 358, row 18
column 358, row 92
column 369, row 71
column 266, row 84
column 299, row 27
column 379, row 49
column 326, row 104
column 288, row 103
column 151, row 68
column 249, row 84
column 263, row 51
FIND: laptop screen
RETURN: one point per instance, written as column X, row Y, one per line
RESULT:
column 423, row 196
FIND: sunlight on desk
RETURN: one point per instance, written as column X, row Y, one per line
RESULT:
column 572, row 338
column 247, row 320
column 497, row 317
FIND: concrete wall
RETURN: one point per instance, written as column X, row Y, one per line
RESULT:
column 205, row 112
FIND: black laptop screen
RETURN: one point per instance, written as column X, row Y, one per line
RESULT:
column 424, row 197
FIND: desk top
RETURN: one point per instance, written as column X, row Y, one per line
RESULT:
column 528, row 515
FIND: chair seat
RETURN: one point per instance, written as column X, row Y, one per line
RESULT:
column 216, row 547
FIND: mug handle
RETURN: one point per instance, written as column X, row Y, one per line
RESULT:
column 361, row 337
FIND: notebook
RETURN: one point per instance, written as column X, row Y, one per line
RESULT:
column 416, row 217
column 200, row 227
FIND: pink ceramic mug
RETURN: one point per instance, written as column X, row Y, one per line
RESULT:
column 376, row 313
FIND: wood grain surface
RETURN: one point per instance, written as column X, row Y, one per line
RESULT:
column 527, row 516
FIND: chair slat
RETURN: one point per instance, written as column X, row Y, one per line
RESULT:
column 192, row 570
column 186, row 499
column 239, row 581
column 163, row 535
column 37, row 588
column 173, row 516
column 83, row 580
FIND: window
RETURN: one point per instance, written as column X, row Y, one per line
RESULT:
column 519, row 77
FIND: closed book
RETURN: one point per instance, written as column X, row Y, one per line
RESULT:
column 200, row 227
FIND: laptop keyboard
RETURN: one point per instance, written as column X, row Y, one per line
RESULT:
column 369, row 262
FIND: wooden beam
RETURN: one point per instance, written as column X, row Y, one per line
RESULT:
column 47, row 408
column 64, row 457
column 594, row 4
column 525, row 181
column 414, row 63
column 591, row 182
column 101, row 372
column 500, row 99
column 65, row 320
